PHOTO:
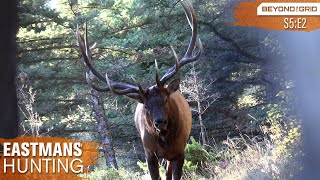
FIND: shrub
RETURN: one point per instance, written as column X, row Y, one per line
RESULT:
column 195, row 153
column 283, row 130
column 144, row 167
column 188, row 166
column 106, row 173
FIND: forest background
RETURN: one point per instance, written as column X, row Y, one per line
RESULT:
column 245, row 124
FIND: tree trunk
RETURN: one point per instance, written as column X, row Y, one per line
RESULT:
column 8, row 106
column 104, row 130
column 198, row 98
column 202, row 127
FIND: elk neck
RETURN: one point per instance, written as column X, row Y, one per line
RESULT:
column 167, row 137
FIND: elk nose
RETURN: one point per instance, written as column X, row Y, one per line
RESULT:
column 159, row 122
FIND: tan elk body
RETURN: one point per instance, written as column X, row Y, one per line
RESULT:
column 171, row 143
column 162, row 117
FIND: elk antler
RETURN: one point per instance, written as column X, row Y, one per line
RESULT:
column 189, row 56
column 137, row 92
column 115, row 87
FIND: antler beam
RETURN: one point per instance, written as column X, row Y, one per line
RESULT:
column 115, row 87
column 190, row 55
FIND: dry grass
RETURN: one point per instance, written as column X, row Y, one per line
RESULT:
column 247, row 158
column 237, row 158
column 251, row 158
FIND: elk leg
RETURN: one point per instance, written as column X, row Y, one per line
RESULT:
column 169, row 170
column 177, row 168
column 153, row 166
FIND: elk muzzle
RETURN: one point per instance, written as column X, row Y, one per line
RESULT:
column 160, row 124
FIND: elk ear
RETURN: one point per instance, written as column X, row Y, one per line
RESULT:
column 173, row 86
column 136, row 97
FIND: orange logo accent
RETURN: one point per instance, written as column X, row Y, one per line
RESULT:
column 291, row 15
column 46, row 158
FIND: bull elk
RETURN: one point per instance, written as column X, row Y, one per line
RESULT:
column 162, row 117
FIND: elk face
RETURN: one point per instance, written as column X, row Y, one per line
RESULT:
column 157, row 105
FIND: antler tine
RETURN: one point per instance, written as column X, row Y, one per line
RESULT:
column 106, row 88
column 175, row 55
column 88, row 52
column 139, row 86
column 122, row 91
column 86, row 58
column 194, row 27
column 187, row 13
column 101, row 89
column 173, row 70
column 159, row 84
column 188, row 56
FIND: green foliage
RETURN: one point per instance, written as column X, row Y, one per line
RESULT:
column 195, row 155
column 283, row 131
column 110, row 174
column 143, row 165
column 189, row 166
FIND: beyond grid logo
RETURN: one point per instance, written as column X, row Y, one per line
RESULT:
column 286, row 16
column 288, row 9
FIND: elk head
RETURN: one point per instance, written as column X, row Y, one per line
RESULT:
column 156, row 99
